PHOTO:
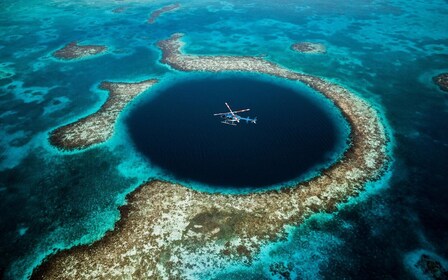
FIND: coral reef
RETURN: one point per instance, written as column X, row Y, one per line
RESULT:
column 309, row 47
column 167, row 231
column 99, row 126
column 157, row 13
column 74, row 51
column 431, row 267
column 442, row 81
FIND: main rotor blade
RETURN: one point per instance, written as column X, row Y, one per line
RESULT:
column 228, row 107
column 231, row 112
column 240, row 111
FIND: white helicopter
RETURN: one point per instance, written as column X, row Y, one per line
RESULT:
column 231, row 118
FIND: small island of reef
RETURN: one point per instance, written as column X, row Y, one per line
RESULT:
column 157, row 13
column 74, row 51
column 99, row 126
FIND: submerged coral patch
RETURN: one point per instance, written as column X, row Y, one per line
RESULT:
column 157, row 13
column 309, row 47
column 442, row 81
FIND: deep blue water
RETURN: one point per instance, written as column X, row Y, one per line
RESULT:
column 294, row 135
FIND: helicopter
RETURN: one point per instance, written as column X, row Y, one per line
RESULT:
column 231, row 118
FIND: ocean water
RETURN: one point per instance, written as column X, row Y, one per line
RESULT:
column 384, row 51
column 296, row 133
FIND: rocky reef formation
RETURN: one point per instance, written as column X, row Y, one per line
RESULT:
column 119, row 10
column 442, row 81
column 73, row 51
column 282, row 269
column 99, row 126
column 157, row 13
column 167, row 231
column 431, row 268
column 309, row 47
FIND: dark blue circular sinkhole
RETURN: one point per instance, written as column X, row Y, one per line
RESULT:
column 296, row 132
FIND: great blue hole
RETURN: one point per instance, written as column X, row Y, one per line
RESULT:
column 296, row 133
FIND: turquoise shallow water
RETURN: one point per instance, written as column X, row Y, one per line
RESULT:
column 385, row 51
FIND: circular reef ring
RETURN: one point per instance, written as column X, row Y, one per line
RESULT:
column 170, row 231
